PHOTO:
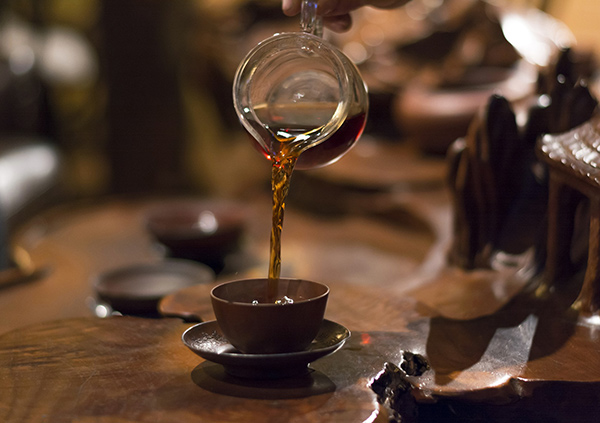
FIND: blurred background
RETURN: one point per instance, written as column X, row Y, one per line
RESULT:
column 133, row 97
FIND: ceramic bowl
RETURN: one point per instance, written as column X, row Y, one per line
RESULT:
column 255, row 324
column 434, row 117
column 204, row 231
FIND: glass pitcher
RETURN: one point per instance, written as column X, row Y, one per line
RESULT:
column 297, row 94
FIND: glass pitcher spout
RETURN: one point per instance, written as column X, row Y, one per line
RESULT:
column 309, row 21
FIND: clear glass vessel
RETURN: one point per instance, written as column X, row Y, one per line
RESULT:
column 297, row 94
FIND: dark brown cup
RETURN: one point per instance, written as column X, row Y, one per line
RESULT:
column 175, row 225
column 266, row 327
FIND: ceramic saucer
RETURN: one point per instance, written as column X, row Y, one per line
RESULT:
column 207, row 340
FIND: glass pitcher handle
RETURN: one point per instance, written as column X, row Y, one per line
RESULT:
column 309, row 21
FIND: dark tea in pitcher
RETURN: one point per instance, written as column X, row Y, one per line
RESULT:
column 288, row 122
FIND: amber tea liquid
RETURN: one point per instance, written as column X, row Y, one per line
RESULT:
column 287, row 122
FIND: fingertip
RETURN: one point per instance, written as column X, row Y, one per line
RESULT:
column 290, row 7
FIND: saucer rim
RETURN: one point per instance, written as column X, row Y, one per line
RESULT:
column 239, row 359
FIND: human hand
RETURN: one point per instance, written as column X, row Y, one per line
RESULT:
column 336, row 13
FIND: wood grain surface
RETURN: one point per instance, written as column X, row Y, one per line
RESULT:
column 127, row 369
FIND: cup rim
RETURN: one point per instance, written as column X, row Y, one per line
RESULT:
column 244, row 304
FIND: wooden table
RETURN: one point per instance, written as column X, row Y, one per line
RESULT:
column 127, row 369
column 73, row 244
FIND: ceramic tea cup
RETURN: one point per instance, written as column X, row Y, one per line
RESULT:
column 256, row 324
column 205, row 231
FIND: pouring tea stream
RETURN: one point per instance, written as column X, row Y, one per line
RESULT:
column 305, row 105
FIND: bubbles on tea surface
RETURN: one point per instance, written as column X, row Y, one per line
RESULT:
column 284, row 300
column 281, row 301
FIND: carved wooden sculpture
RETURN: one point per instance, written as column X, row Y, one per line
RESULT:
column 499, row 186
column 516, row 190
column 573, row 159
column 487, row 170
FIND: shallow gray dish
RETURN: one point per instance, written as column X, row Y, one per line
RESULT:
column 137, row 289
column 207, row 340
